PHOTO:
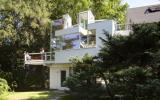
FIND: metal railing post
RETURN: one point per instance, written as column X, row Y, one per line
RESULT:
column 25, row 58
column 45, row 54
column 50, row 56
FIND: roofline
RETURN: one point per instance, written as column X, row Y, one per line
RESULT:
column 144, row 6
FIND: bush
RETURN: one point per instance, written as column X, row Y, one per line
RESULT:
column 82, row 82
column 135, row 83
column 8, row 76
column 3, row 86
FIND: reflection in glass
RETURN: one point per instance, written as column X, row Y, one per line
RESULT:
column 76, row 41
column 71, row 41
column 89, row 40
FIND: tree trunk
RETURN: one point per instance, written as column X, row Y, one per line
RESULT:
column 107, row 87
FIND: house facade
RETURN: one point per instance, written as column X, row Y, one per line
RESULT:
column 73, row 41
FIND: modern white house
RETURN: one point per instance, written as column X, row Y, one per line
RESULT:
column 73, row 41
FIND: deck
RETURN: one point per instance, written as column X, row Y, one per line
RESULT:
column 38, row 58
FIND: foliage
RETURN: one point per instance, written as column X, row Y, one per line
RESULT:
column 140, row 49
column 110, row 9
column 8, row 76
column 3, row 86
column 82, row 82
column 25, row 26
column 72, row 7
column 69, row 97
column 128, row 66
column 102, row 9
column 32, row 81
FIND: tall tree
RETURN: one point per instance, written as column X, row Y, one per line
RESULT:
column 25, row 24
column 110, row 9
column 24, row 27
column 141, row 48
column 102, row 9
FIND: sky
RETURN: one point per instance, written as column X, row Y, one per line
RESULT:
column 139, row 3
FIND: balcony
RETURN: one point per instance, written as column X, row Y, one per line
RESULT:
column 38, row 58
column 71, row 30
column 123, row 29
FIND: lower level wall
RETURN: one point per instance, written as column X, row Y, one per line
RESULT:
column 55, row 77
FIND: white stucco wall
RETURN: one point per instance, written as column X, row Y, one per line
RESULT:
column 101, row 27
column 63, row 56
column 67, row 31
column 55, row 77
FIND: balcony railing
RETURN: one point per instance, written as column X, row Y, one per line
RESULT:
column 38, row 58
column 120, row 27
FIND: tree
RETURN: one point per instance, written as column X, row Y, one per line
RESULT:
column 135, row 49
column 110, row 9
column 82, row 82
column 121, row 53
column 25, row 25
column 128, row 65
column 73, row 7
column 102, row 9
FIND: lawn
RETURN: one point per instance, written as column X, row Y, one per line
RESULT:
column 34, row 95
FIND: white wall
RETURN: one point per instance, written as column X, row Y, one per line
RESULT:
column 67, row 31
column 101, row 27
column 63, row 56
column 55, row 77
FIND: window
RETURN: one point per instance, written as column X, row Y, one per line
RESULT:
column 92, row 38
column 76, row 40
column 89, row 40
column 71, row 41
column 59, row 42
column 84, row 23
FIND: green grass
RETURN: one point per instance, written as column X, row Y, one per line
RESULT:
column 3, row 96
column 34, row 95
column 69, row 97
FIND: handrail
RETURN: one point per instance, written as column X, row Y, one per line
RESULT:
column 43, row 56
column 38, row 53
column 123, row 27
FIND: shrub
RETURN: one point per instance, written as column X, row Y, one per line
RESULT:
column 8, row 76
column 82, row 82
column 3, row 86
column 135, row 83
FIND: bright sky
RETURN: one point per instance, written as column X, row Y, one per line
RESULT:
column 138, row 3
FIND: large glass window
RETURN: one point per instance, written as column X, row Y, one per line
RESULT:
column 76, row 41
column 71, row 41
